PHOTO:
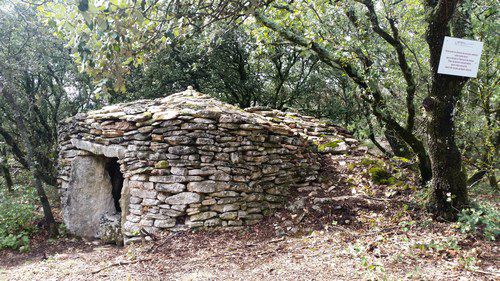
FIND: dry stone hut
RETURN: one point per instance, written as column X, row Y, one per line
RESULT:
column 184, row 161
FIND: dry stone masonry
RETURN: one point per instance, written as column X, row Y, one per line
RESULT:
column 185, row 161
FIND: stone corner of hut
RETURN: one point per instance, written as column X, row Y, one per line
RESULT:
column 185, row 161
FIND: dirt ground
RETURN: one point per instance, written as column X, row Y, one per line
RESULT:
column 345, row 228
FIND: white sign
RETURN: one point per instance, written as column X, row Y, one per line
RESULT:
column 460, row 57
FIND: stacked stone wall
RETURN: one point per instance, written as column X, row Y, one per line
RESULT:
column 191, row 161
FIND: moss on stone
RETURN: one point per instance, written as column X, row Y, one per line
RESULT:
column 380, row 175
column 402, row 159
column 351, row 167
column 369, row 162
column 332, row 144
column 162, row 165
column 193, row 106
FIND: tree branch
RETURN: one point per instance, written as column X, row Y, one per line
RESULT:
column 398, row 46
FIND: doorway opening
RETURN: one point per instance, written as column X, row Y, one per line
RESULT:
column 113, row 169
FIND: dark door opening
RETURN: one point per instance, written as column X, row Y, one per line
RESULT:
column 113, row 169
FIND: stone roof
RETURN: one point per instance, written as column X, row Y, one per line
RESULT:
column 192, row 103
column 188, row 102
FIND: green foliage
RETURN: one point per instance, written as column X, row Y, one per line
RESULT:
column 481, row 219
column 380, row 175
column 271, row 56
column 17, row 217
column 20, row 241
column 405, row 225
column 438, row 246
column 63, row 231
column 372, row 268
column 37, row 67
column 326, row 58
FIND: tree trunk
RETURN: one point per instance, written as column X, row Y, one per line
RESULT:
column 417, row 146
column 449, row 178
column 399, row 147
column 493, row 181
column 47, row 210
column 4, row 170
column 424, row 165
column 32, row 165
column 371, row 136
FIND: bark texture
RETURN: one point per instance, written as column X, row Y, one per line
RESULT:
column 449, row 178
column 4, row 170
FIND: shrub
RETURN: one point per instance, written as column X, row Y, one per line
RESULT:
column 17, row 216
column 480, row 219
